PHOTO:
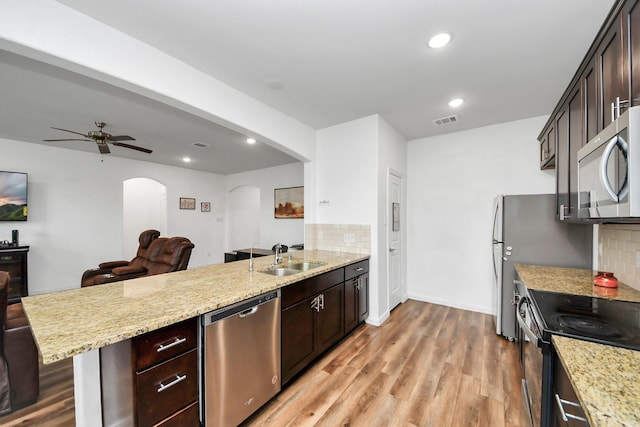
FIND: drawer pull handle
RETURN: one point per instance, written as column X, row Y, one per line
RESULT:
column 565, row 415
column 178, row 379
column 176, row 342
column 359, row 268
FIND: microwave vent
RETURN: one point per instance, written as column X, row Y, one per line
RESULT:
column 446, row 120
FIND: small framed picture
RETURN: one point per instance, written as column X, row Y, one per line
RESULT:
column 205, row 206
column 187, row 203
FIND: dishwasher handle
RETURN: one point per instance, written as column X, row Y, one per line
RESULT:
column 249, row 312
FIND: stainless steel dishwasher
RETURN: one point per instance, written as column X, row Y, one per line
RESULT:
column 240, row 360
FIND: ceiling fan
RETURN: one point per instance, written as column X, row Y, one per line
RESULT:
column 102, row 139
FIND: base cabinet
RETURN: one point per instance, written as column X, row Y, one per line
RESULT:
column 356, row 295
column 152, row 379
column 565, row 410
column 312, row 320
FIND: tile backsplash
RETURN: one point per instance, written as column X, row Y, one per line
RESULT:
column 354, row 238
column 618, row 251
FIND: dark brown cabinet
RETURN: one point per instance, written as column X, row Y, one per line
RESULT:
column 14, row 261
column 565, row 409
column 609, row 57
column 548, row 148
column 356, row 294
column 152, row 379
column 604, row 86
column 312, row 320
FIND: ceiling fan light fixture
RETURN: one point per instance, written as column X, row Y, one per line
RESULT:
column 439, row 40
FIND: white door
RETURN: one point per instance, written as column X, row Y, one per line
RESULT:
column 394, row 233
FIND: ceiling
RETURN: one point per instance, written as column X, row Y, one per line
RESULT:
column 321, row 62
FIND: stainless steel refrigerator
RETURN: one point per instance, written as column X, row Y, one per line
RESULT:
column 525, row 231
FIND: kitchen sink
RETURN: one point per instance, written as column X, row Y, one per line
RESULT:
column 292, row 268
column 280, row 271
column 306, row 265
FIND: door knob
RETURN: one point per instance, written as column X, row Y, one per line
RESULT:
column 392, row 249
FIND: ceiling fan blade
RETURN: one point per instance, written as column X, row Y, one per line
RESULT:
column 53, row 140
column 133, row 147
column 71, row 131
column 103, row 147
column 122, row 138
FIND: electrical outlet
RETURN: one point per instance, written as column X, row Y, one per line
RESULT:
column 349, row 238
column 637, row 259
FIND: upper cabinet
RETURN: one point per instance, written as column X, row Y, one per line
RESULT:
column 631, row 44
column 606, row 84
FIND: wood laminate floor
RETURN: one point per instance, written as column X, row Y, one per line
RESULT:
column 427, row 365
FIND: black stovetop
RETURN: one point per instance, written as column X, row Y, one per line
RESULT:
column 600, row 320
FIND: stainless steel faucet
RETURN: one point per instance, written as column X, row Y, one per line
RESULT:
column 278, row 256
column 251, row 255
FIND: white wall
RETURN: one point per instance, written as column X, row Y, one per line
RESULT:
column 286, row 231
column 452, row 182
column 76, row 214
column 349, row 174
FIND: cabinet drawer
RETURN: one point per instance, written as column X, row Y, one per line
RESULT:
column 163, row 344
column 166, row 388
column 329, row 279
column 187, row 417
column 353, row 270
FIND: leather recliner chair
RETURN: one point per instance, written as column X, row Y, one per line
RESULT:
column 19, row 365
column 155, row 256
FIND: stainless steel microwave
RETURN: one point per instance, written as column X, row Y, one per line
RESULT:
column 609, row 171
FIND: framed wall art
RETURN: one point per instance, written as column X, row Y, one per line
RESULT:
column 187, row 203
column 289, row 202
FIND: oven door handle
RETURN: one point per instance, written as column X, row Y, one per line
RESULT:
column 523, row 324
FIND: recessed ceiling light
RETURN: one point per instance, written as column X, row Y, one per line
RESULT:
column 439, row 40
column 186, row 159
column 251, row 140
column 456, row 102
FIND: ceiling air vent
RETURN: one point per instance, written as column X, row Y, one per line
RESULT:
column 200, row 144
column 446, row 120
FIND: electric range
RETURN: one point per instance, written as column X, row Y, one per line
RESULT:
column 588, row 318
column 542, row 314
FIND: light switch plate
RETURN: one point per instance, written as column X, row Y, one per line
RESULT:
column 349, row 238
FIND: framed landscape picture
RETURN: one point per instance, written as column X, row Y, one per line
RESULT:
column 289, row 202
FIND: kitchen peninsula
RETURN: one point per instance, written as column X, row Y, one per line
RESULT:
column 77, row 323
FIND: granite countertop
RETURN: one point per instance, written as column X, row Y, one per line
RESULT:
column 616, row 371
column 71, row 322
column 577, row 281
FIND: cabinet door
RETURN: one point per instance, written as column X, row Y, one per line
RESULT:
column 611, row 68
column 363, row 297
column 351, row 312
column 330, row 322
column 631, row 29
column 590, row 102
column 298, row 337
column 575, row 143
column 562, row 163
